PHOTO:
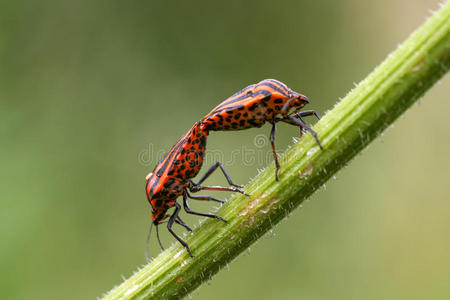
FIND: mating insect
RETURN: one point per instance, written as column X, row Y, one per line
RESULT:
column 267, row 101
column 172, row 177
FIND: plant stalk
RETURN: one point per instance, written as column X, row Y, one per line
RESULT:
column 362, row 115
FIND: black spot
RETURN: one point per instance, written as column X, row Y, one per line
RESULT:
column 182, row 167
column 241, row 123
column 278, row 101
column 237, row 116
column 245, row 115
column 241, row 107
column 158, row 203
column 253, row 107
column 234, row 125
column 277, row 107
column 169, row 182
column 228, row 119
column 252, row 122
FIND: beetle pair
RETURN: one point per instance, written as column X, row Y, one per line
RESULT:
column 267, row 101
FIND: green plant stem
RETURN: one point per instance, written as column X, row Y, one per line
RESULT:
column 364, row 113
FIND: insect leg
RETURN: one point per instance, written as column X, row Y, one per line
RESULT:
column 189, row 211
column 172, row 219
column 291, row 119
column 307, row 113
column 206, row 198
column 212, row 169
column 181, row 222
column 275, row 156
column 195, row 188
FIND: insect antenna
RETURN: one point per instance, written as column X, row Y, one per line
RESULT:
column 147, row 243
column 159, row 240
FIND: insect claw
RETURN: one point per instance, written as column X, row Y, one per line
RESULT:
column 189, row 252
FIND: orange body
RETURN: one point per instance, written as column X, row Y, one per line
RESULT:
column 267, row 101
column 171, row 175
column 254, row 105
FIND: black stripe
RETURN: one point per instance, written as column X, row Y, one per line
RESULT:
column 187, row 137
column 220, row 106
column 275, row 88
column 146, row 185
column 154, row 185
column 169, row 159
column 170, row 154
column 285, row 87
column 227, row 109
column 241, row 91
column 237, row 96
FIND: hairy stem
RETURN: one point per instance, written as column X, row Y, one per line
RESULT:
column 353, row 123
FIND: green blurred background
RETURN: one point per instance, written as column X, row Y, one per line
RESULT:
column 91, row 92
